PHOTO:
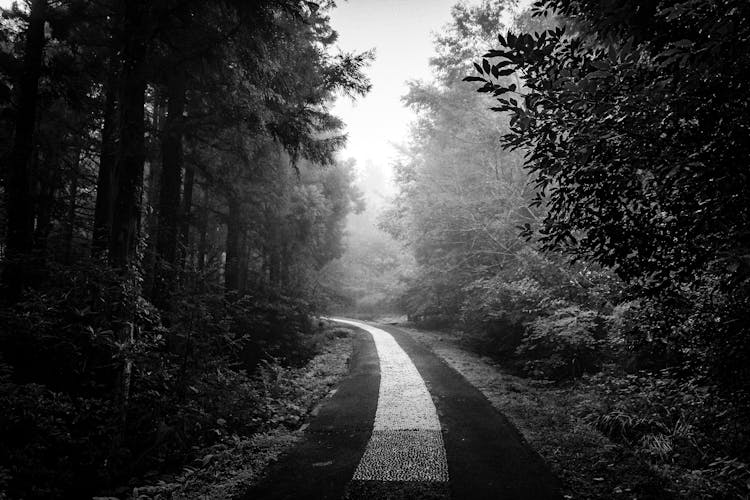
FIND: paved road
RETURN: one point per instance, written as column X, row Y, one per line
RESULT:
column 404, row 424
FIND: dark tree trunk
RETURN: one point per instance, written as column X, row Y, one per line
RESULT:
column 203, row 242
column 107, row 159
column 233, row 247
column 70, row 230
column 151, row 191
column 131, row 152
column 169, row 193
column 20, row 214
column 274, row 266
column 285, row 262
column 244, row 263
column 186, row 214
column 171, row 172
column 45, row 173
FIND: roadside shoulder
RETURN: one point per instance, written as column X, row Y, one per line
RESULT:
column 588, row 464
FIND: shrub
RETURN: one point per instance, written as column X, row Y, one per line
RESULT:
column 501, row 309
column 566, row 344
column 673, row 420
column 70, row 430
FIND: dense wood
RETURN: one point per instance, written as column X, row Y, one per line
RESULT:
column 119, row 360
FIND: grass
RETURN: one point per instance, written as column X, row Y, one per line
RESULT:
column 589, row 465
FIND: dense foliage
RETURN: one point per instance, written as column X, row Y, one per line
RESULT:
column 170, row 192
column 593, row 223
column 640, row 161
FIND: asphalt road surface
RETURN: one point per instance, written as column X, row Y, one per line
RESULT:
column 404, row 424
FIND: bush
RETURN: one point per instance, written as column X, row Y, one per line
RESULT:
column 698, row 331
column 52, row 445
column 675, row 421
column 501, row 310
column 78, row 424
column 565, row 344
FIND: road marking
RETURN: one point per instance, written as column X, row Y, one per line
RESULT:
column 406, row 442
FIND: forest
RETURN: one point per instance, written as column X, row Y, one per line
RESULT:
column 583, row 216
column 171, row 188
column 573, row 198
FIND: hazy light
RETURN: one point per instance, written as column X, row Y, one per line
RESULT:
column 400, row 31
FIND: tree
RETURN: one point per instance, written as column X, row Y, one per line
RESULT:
column 20, row 215
column 461, row 196
column 638, row 158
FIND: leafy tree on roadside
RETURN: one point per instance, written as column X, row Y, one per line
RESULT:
column 634, row 131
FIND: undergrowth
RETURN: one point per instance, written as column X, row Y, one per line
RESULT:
column 282, row 397
column 613, row 434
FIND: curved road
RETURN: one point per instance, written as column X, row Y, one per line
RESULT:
column 404, row 424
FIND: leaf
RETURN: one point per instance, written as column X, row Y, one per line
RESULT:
column 486, row 65
column 473, row 79
column 479, row 68
column 598, row 75
column 683, row 43
column 496, row 53
column 602, row 65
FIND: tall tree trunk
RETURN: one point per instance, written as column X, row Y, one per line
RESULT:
column 151, row 191
column 203, row 229
column 171, row 173
column 244, row 263
column 274, row 265
column 45, row 172
column 107, row 159
column 20, row 214
column 131, row 152
column 169, row 193
column 70, row 230
column 186, row 213
column 233, row 247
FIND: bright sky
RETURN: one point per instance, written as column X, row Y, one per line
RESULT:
column 400, row 31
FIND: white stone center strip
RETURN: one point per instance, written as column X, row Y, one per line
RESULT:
column 406, row 442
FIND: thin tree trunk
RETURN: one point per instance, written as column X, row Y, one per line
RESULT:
column 70, row 232
column 131, row 151
column 274, row 266
column 203, row 243
column 186, row 213
column 46, row 177
column 151, row 191
column 20, row 214
column 107, row 159
column 244, row 264
column 233, row 250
